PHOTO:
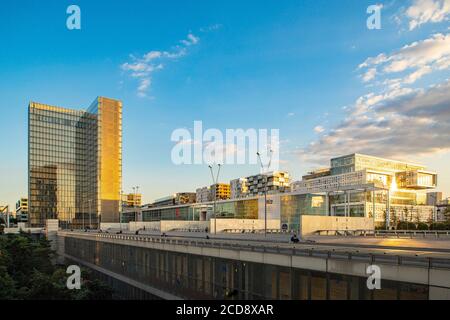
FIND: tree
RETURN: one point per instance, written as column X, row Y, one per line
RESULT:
column 447, row 214
column 7, row 285
column 27, row 273
column 431, row 218
column 393, row 217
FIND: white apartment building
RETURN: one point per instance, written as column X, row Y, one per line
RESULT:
column 239, row 188
column 276, row 182
column 203, row 195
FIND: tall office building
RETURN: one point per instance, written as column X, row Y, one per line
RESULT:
column 75, row 163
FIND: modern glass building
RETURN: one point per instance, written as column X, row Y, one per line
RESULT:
column 294, row 206
column 288, row 208
column 75, row 163
column 360, row 185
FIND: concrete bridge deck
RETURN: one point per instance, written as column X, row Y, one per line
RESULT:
column 416, row 261
column 420, row 247
column 419, row 250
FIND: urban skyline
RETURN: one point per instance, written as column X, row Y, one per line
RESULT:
column 236, row 151
column 279, row 73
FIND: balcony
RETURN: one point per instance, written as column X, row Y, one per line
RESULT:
column 417, row 179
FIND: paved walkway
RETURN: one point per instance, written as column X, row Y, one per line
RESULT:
column 416, row 247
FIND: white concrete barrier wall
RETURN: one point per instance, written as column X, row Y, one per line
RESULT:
column 240, row 224
column 181, row 225
column 168, row 225
column 311, row 224
column 105, row 226
column 149, row 225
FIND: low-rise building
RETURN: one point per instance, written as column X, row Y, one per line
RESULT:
column 433, row 198
column 22, row 210
column 220, row 191
column 443, row 210
column 203, row 195
column 131, row 200
column 176, row 199
column 238, row 188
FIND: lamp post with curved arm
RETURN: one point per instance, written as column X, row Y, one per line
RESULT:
column 265, row 187
column 215, row 182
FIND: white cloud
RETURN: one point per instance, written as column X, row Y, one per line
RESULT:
column 394, row 119
column 211, row 28
column 143, row 86
column 426, row 11
column 381, row 58
column 418, row 58
column 319, row 129
column 143, row 68
column 191, row 40
column 413, row 77
column 370, row 74
column 420, row 53
column 152, row 55
column 412, row 122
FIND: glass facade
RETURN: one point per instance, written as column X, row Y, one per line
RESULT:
column 357, row 162
column 184, row 213
column 294, row 206
column 69, row 178
column 237, row 209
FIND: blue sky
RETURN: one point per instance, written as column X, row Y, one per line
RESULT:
column 296, row 66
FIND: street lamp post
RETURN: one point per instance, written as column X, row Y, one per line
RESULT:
column 136, row 191
column 265, row 188
column 215, row 182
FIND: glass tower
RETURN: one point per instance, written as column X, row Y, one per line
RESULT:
column 75, row 164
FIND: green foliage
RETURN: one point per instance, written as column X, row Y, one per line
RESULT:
column 27, row 273
column 447, row 214
column 403, row 225
column 422, row 226
column 440, row 226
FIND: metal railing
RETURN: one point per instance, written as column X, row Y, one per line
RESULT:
column 386, row 233
column 198, row 230
column 293, row 250
column 258, row 231
column 414, row 233
column 345, row 232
